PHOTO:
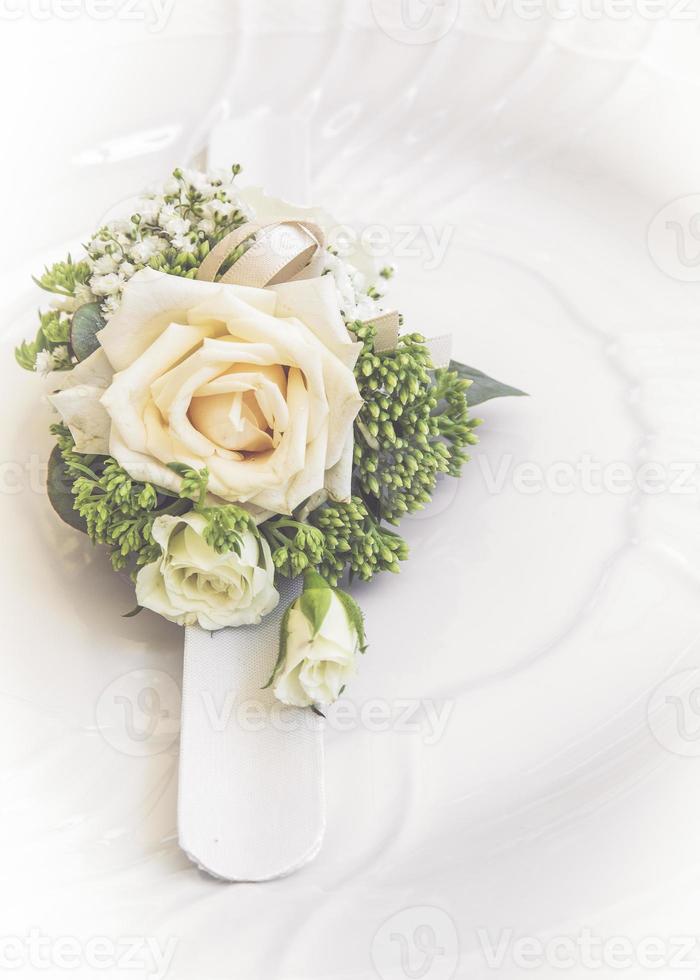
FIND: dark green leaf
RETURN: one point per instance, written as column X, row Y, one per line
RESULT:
column 58, row 486
column 483, row 387
column 87, row 321
column 134, row 612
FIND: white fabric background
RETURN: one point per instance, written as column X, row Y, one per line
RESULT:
column 540, row 622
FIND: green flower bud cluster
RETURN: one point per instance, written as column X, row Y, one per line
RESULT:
column 118, row 512
column 225, row 522
column 354, row 540
column 225, row 525
column 64, row 277
column 413, row 425
column 295, row 545
column 452, row 414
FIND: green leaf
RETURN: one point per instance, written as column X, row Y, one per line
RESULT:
column 312, row 580
column 282, row 653
column 58, row 486
column 134, row 612
column 355, row 617
column 87, row 322
column 483, row 387
column 315, row 602
column 25, row 355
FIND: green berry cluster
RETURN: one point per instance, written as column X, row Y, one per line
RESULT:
column 355, row 541
column 225, row 522
column 413, row 425
column 118, row 512
column 295, row 545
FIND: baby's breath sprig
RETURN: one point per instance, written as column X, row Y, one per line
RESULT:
column 172, row 231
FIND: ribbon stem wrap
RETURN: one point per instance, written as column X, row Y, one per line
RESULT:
column 251, row 794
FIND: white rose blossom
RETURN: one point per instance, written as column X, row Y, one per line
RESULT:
column 256, row 385
column 192, row 583
column 321, row 636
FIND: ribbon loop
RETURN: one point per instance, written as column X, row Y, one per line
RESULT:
column 283, row 251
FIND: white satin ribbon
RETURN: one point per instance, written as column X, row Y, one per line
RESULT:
column 251, row 793
column 251, row 798
column 282, row 251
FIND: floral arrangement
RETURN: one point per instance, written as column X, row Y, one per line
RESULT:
column 235, row 404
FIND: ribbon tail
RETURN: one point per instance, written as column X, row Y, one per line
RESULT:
column 251, row 793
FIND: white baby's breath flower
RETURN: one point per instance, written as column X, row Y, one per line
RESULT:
column 366, row 308
column 198, row 181
column 211, row 208
column 144, row 250
column 127, row 270
column 207, row 225
column 111, row 304
column 184, row 244
column 104, row 265
column 149, row 209
column 83, row 294
column 97, row 246
column 106, row 285
column 44, row 362
column 48, row 361
column 175, row 226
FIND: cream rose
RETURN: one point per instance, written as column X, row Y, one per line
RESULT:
column 321, row 637
column 192, row 583
column 255, row 384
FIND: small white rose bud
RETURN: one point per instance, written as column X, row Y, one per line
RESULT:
column 322, row 632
